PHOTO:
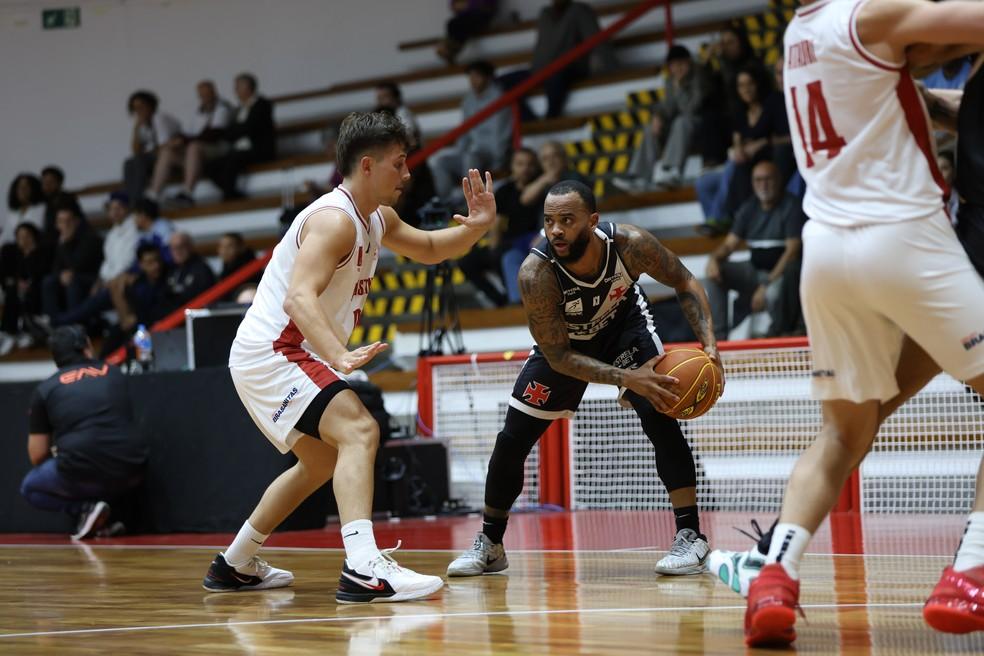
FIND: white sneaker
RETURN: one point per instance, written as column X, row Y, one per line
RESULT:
column 483, row 557
column 383, row 580
column 736, row 569
column 256, row 574
column 687, row 555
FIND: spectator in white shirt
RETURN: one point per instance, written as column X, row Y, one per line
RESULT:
column 151, row 131
column 203, row 141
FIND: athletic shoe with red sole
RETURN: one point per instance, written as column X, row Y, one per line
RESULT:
column 773, row 598
column 957, row 602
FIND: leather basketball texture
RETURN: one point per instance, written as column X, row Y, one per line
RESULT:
column 700, row 381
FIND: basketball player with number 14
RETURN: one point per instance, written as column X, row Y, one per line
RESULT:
column 881, row 264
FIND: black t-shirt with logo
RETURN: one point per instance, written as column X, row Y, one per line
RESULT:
column 85, row 407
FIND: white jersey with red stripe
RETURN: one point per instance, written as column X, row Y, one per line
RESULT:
column 266, row 329
column 859, row 128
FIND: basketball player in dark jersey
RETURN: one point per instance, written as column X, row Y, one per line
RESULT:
column 591, row 323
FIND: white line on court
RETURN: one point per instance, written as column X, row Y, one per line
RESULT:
column 512, row 613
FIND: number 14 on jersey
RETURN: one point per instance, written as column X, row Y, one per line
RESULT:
column 823, row 137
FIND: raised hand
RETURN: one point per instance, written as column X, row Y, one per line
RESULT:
column 352, row 360
column 480, row 199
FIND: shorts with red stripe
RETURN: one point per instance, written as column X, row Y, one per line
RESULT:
column 278, row 388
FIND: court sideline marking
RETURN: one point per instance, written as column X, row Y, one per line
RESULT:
column 511, row 613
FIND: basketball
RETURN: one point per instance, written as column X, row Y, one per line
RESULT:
column 700, row 381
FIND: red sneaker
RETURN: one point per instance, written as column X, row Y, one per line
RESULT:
column 957, row 602
column 772, row 601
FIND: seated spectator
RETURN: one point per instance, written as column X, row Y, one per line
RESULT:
column 26, row 204
column 554, row 167
column 152, row 130
column 119, row 257
column 761, row 124
column 153, row 228
column 770, row 224
column 469, row 19
column 136, row 300
column 669, row 138
column 202, row 142
column 22, row 290
column 233, row 253
column 188, row 276
column 731, row 53
column 485, row 147
column 52, row 182
column 251, row 138
column 562, row 26
column 951, row 75
column 78, row 256
column 517, row 224
column 389, row 98
column 82, row 442
column 417, row 192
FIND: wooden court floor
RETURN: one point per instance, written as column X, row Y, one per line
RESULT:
column 565, row 592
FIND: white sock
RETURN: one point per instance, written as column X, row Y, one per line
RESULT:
column 360, row 543
column 788, row 544
column 248, row 541
column 970, row 553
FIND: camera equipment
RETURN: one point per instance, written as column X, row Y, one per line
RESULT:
column 439, row 319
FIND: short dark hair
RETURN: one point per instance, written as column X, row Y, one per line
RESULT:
column 68, row 344
column 31, row 228
column 148, row 207
column 148, row 97
column 148, row 247
column 51, row 169
column 481, row 66
column 364, row 131
column 236, row 237
column 678, row 52
column 565, row 187
column 249, row 79
column 36, row 194
column 393, row 88
column 69, row 204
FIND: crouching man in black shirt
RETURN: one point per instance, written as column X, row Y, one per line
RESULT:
column 82, row 443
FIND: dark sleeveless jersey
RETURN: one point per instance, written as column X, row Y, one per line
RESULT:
column 598, row 311
column 970, row 142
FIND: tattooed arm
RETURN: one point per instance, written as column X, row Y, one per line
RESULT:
column 642, row 253
column 542, row 299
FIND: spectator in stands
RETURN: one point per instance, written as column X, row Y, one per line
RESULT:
column 22, row 290
column 152, row 130
column 484, row 147
column 52, row 182
column 770, row 224
column 82, row 441
column 509, row 240
column 389, row 98
column 669, row 138
column 561, row 26
column 469, row 19
column 78, row 257
column 25, row 200
column 188, row 276
column 946, row 161
column 554, row 167
column 136, row 300
column 153, row 228
column 731, row 53
column 202, row 142
column 952, row 75
column 251, row 136
column 757, row 128
column 233, row 253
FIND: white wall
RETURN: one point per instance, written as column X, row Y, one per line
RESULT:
column 63, row 92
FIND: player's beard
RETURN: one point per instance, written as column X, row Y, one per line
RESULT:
column 576, row 248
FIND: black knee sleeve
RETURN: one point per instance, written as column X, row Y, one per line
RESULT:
column 504, row 482
column 674, row 460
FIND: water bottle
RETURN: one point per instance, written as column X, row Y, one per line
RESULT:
column 143, row 348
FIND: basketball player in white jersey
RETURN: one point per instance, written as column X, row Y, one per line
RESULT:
column 881, row 262
column 288, row 356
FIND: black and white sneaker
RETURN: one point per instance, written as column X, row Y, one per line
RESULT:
column 256, row 574
column 383, row 580
column 94, row 516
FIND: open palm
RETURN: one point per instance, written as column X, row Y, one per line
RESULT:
column 480, row 199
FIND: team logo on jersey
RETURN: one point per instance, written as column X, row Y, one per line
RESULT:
column 617, row 293
column 284, row 404
column 574, row 307
column 972, row 340
column 536, row 393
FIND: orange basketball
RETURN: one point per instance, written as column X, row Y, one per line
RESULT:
column 700, row 381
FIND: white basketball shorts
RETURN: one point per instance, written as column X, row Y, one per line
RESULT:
column 864, row 288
